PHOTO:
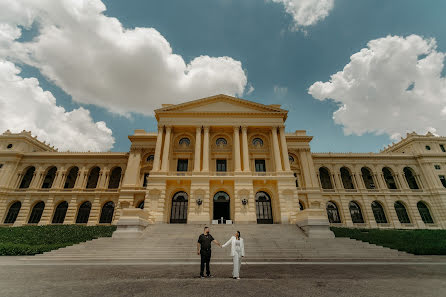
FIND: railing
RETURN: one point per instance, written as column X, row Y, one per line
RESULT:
column 264, row 174
column 180, row 173
column 221, row 173
column 373, row 190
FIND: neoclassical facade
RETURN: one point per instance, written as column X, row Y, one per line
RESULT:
column 224, row 160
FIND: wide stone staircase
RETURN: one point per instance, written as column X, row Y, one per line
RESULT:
column 177, row 243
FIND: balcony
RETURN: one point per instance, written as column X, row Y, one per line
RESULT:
column 180, row 173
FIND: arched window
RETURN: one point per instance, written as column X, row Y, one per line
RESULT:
column 424, row 213
column 355, row 212
column 257, row 142
column 324, row 176
column 36, row 213
column 410, row 178
column 49, row 178
column 150, row 158
column 71, row 178
column 221, row 141
column 367, row 178
column 388, row 177
column 59, row 214
column 83, row 213
column 93, row 178
column 27, row 178
column 13, row 212
column 301, row 205
column 290, row 159
column 263, row 208
column 141, row 205
column 333, row 213
column 347, row 180
column 115, row 178
column 401, row 212
column 178, row 212
column 107, row 213
column 378, row 213
column 184, row 141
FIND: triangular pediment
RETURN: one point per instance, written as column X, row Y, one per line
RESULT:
column 221, row 104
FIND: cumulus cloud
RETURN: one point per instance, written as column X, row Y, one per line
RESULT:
column 393, row 86
column 97, row 61
column 306, row 12
column 25, row 106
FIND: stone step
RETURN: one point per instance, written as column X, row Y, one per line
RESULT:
column 176, row 243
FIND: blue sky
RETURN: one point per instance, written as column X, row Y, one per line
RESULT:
column 281, row 63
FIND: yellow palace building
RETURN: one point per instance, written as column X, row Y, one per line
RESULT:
column 224, row 160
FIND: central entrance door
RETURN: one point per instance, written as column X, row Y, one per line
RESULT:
column 178, row 215
column 221, row 207
column 263, row 208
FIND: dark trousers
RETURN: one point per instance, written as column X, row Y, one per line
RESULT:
column 205, row 259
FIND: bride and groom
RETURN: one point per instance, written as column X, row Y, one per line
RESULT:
column 204, row 250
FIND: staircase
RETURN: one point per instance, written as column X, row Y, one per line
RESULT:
column 177, row 243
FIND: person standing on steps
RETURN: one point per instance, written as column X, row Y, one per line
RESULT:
column 237, row 252
column 204, row 250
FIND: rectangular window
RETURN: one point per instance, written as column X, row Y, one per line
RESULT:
column 182, row 165
column 260, row 166
column 443, row 180
column 1, row 165
column 221, row 165
column 442, row 148
column 437, row 167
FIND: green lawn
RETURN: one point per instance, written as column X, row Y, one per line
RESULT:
column 418, row 242
column 30, row 240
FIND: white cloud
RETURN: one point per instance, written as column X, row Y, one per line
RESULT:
column 25, row 106
column 393, row 86
column 97, row 61
column 307, row 12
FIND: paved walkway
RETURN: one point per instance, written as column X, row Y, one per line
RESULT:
column 297, row 279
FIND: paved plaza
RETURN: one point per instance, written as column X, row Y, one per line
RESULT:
column 176, row 279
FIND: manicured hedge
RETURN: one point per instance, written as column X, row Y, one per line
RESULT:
column 30, row 240
column 418, row 242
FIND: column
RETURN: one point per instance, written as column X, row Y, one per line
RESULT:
column 159, row 143
column 80, row 178
column 165, row 163
column 286, row 160
column 197, row 156
column 245, row 149
column 237, row 165
column 206, row 149
column 276, row 150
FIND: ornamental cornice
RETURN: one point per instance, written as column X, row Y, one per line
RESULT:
column 361, row 156
column 241, row 114
column 220, row 97
column 76, row 154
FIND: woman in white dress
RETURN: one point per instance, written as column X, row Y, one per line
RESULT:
column 237, row 252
